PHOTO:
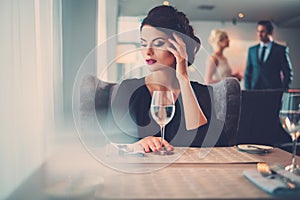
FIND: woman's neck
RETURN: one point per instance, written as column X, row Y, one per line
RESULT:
column 219, row 51
column 162, row 80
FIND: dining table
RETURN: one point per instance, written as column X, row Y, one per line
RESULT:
column 73, row 171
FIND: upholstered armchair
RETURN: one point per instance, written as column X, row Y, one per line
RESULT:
column 227, row 98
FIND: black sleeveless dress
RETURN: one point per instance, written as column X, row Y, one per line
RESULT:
column 130, row 109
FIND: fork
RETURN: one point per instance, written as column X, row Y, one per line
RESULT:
column 265, row 171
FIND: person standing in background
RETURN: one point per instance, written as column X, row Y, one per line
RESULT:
column 268, row 65
column 217, row 67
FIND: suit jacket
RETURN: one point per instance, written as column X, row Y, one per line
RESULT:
column 268, row 75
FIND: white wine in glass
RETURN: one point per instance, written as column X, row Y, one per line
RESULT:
column 290, row 120
column 162, row 111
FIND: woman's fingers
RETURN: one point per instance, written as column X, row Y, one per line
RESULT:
column 168, row 146
column 150, row 144
column 179, row 50
column 173, row 51
column 154, row 144
column 145, row 147
column 179, row 40
column 157, row 144
column 178, row 43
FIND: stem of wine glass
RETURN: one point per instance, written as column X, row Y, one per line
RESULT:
column 294, row 153
column 162, row 131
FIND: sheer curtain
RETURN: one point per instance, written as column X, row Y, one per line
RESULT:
column 30, row 77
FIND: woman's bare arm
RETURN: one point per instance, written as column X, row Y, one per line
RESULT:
column 211, row 67
column 193, row 114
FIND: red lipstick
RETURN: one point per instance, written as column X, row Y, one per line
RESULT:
column 150, row 61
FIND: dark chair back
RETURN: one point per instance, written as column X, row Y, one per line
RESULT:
column 259, row 121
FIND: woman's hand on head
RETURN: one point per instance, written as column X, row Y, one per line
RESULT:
column 152, row 143
column 180, row 54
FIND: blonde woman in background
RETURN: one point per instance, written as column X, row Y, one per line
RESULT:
column 217, row 67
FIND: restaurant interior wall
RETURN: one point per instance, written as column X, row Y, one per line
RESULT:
column 242, row 35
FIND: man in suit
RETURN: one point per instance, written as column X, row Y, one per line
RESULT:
column 268, row 64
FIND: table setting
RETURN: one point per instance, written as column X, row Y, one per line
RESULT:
column 277, row 179
column 198, row 173
column 125, row 171
column 274, row 180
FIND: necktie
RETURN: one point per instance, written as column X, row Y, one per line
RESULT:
column 262, row 56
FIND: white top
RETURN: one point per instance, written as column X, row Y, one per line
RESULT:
column 223, row 69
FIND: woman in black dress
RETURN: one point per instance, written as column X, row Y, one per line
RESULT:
column 168, row 45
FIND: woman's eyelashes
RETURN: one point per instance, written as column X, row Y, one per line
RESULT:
column 143, row 43
column 155, row 43
column 159, row 43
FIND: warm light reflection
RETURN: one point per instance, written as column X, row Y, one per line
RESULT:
column 166, row 3
column 241, row 15
column 288, row 124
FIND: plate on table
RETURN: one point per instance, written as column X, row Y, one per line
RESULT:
column 255, row 148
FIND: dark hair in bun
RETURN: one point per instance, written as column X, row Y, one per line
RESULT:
column 170, row 20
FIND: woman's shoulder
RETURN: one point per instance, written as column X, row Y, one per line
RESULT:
column 214, row 59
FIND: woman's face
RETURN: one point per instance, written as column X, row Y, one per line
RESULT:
column 154, row 45
column 224, row 42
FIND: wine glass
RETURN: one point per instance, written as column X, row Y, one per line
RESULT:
column 162, row 111
column 290, row 119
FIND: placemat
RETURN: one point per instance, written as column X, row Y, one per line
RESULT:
column 186, row 155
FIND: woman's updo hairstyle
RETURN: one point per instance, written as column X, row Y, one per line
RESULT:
column 170, row 20
column 216, row 36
